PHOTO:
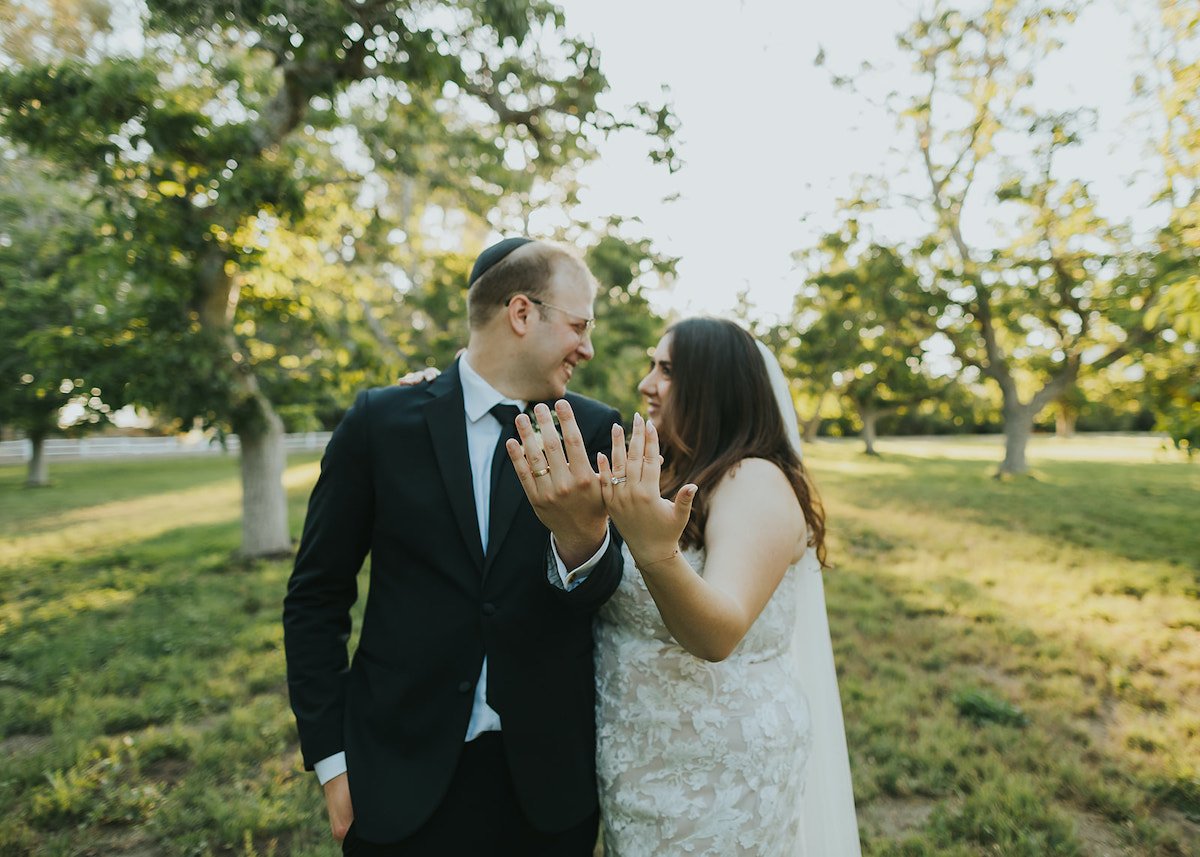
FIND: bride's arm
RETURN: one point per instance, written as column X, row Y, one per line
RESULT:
column 754, row 528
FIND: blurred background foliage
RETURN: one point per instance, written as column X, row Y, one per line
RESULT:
column 234, row 215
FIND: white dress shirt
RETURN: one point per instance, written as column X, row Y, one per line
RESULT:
column 483, row 431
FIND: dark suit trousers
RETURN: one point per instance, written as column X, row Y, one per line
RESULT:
column 480, row 815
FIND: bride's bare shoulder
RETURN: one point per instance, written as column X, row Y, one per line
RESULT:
column 751, row 484
column 755, row 503
column 755, row 474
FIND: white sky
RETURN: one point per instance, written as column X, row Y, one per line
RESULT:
column 770, row 145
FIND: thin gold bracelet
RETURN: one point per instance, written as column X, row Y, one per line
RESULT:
column 645, row 565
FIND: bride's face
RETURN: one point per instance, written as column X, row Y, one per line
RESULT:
column 657, row 384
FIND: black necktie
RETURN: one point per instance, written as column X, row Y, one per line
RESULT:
column 507, row 415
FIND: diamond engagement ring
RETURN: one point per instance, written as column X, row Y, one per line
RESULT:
column 617, row 480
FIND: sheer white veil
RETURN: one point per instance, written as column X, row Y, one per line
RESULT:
column 830, row 822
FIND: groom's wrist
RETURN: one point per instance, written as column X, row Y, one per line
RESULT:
column 330, row 767
column 578, row 546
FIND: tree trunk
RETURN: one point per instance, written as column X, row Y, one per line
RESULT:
column 1019, row 417
column 264, row 500
column 1018, row 426
column 259, row 428
column 38, row 475
column 810, row 427
column 869, row 417
column 1064, row 422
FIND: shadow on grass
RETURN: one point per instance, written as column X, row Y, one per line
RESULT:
column 74, row 534
column 79, row 484
column 1136, row 511
column 97, row 489
column 154, row 678
column 934, row 773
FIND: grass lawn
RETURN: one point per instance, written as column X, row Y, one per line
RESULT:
column 1020, row 660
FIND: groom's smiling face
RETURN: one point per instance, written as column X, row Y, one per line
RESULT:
column 561, row 338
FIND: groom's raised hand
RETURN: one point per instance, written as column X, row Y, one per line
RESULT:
column 559, row 481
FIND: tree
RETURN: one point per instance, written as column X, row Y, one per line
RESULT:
column 200, row 151
column 810, row 381
column 45, row 228
column 1059, row 298
column 1173, row 367
column 862, row 322
column 48, row 296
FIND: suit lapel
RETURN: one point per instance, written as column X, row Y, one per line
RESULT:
column 448, row 430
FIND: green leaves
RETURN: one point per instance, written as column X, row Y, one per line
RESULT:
column 70, row 111
column 509, row 18
column 276, row 186
column 860, row 327
column 52, row 339
column 628, row 268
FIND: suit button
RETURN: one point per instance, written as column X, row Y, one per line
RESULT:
column 489, row 609
column 464, row 686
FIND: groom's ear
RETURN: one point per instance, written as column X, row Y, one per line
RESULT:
column 517, row 311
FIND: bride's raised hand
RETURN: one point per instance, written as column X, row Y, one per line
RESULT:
column 650, row 524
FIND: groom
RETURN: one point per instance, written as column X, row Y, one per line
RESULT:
column 464, row 723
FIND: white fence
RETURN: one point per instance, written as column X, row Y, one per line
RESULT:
column 18, row 451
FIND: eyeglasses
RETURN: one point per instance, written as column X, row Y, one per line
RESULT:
column 587, row 324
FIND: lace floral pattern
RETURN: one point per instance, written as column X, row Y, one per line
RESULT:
column 694, row 757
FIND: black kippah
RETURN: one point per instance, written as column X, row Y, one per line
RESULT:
column 492, row 255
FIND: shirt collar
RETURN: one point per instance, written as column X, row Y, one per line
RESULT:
column 479, row 396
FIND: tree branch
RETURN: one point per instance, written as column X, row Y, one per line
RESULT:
column 511, row 116
column 1056, row 386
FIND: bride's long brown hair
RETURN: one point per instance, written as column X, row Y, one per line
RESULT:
column 720, row 410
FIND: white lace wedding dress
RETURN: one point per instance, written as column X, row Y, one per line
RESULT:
column 698, row 758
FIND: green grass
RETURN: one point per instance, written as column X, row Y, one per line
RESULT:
column 1020, row 660
column 143, row 708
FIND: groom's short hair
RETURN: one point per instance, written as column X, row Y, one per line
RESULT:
column 526, row 271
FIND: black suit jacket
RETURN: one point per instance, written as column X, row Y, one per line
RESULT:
column 396, row 483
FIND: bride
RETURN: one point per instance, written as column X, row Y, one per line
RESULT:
column 716, row 695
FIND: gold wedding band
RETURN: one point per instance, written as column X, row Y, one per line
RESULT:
column 617, row 480
column 541, row 472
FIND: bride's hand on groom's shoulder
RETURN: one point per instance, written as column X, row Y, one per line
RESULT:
column 630, row 486
column 422, row 376
column 418, row 376
column 559, row 481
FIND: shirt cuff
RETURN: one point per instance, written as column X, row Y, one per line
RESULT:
column 330, row 767
column 571, row 579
